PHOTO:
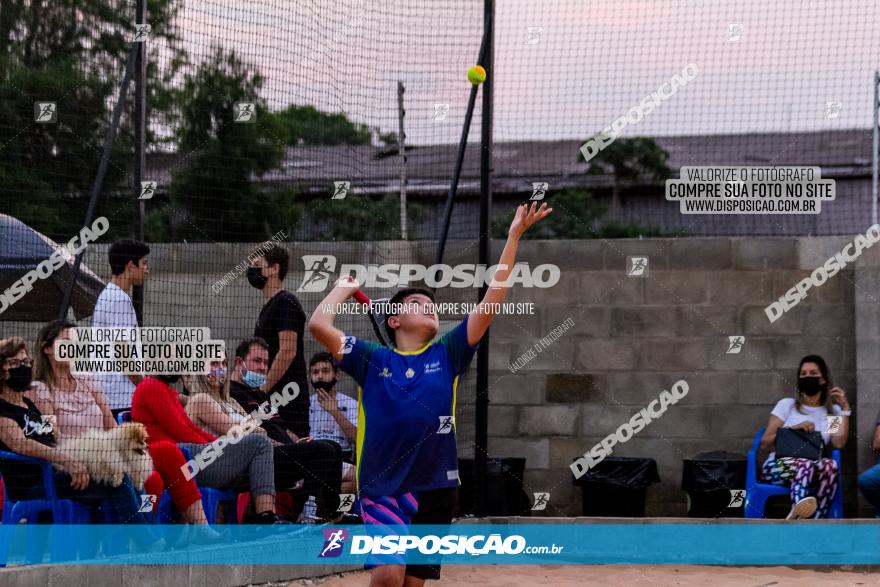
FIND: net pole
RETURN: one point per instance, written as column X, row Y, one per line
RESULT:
column 874, row 164
column 109, row 138
column 140, row 143
column 402, row 153
column 485, row 251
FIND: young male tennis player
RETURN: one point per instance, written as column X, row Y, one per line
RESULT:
column 407, row 462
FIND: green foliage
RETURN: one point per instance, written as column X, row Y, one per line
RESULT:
column 309, row 126
column 213, row 193
column 575, row 212
column 630, row 160
column 576, row 215
column 71, row 52
column 358, row 217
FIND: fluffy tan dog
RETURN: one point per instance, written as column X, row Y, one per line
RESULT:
column 110, row 454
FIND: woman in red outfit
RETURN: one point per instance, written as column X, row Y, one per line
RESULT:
column 77, row 403
column 248, row 458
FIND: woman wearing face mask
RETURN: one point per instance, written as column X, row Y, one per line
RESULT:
column 212, row 409
column 78, row 405
column 813, row 483
column 210, row 406
column 24, row 430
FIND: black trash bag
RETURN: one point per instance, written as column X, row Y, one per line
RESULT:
column 617, row 487
column 715, row 482
column 504, row 481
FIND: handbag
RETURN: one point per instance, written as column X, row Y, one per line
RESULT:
column 794, row 442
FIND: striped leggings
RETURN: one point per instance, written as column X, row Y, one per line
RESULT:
column 806, row 478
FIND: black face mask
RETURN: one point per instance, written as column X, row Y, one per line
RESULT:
column 809, row 386
column 20, row 378
column 324, row 385
column 256, row 278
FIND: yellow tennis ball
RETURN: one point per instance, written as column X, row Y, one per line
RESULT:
column 476, row 75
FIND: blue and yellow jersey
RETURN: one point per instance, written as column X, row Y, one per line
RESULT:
column 406, row 412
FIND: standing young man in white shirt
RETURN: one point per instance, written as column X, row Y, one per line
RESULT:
column 128, row 264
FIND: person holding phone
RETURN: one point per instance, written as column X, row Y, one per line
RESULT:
column 820, row 407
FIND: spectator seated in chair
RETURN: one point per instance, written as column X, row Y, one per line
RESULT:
column 156, row 405
column 318, row 463
column 813, row 483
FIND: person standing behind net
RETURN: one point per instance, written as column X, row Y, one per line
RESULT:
column 407, row 460
column 282, row 324
column 114, row 309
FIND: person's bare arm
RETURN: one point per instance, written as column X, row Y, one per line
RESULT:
column 875, row 444
column 107, row 418
column 769, row 438
column 283, row 359
column 331, row 406
column 206, row 413
column 480, row 319
column 13, row 437
column 321, row 323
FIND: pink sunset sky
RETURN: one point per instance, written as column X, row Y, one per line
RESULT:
column 593, row 61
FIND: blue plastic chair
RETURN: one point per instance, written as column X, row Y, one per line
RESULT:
column 212, row 497
column 64, row 511
column 758, row 493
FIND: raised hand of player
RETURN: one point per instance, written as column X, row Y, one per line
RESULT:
column 526, row 216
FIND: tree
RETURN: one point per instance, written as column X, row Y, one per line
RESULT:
column 213, row 193
column 575, row 215
column 358, row 217
column 73, row 53
column 629, row 161
column 307, row 125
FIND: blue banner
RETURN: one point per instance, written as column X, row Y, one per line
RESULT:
column 816, row 543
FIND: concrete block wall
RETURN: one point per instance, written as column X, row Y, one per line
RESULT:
column 631, row 338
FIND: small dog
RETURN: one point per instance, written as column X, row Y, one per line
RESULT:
column 110, row 454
